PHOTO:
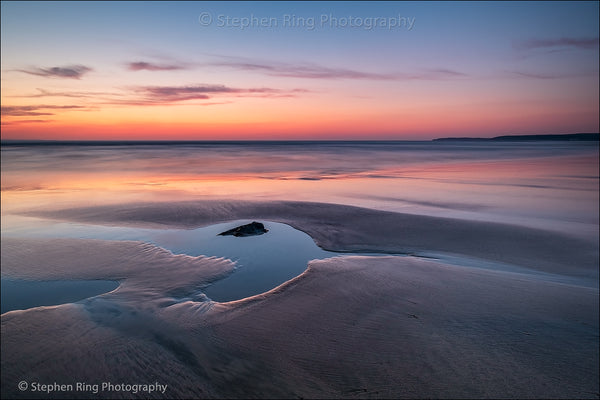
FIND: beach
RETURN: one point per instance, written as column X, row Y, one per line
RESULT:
column 299, row 200
column 412, row 324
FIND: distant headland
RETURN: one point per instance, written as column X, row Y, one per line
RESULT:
column 526, row 138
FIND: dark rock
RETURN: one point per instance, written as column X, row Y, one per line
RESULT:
column 252, row 229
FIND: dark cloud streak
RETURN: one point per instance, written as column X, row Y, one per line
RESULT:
column 311, row 71
column 535, row 75
column 148, row 66
column 77, row 95
column 37, row 110
column 549, row 76
column 579, row 43
column 69, row 72
column 155, row 95
column 26, row 121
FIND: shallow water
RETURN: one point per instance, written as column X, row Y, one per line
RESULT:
column 262, row 262
column 20, row 294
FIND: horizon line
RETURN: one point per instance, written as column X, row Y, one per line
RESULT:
column 225, row 141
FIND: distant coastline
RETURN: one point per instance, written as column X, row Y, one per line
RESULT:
column 527, row 138
column 506, row 138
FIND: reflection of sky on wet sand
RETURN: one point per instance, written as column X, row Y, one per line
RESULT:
column 542, row 184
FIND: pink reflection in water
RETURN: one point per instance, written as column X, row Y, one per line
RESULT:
column 551, row 185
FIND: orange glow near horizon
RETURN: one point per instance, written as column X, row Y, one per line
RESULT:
column 159, row 123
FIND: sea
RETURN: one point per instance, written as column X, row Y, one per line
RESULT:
column 547, row 184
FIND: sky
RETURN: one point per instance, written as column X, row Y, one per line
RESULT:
column 297, row 70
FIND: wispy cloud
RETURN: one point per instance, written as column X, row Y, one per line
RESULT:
column 304, row 71
column 34, row 110
column 313, row 71
column 547, row 75
column 150, row 95
column 535, row 75
column 154, row 95
column 36, row 114
column 589, row 43
column 434, row 74
column 185, row 92
column 298, row 70
column 70, row 72
column 72, row 94
column 25, row 121
column 149, row 66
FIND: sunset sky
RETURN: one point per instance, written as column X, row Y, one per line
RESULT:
column 316, row 70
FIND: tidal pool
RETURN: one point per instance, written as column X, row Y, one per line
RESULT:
column 263, row 262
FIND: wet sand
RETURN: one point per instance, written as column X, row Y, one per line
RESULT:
column 349, row 327
column 353, row 229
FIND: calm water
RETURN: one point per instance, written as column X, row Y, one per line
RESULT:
column 262, row 262
column 17, row 294
column 548, row 184
column 552, row 185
